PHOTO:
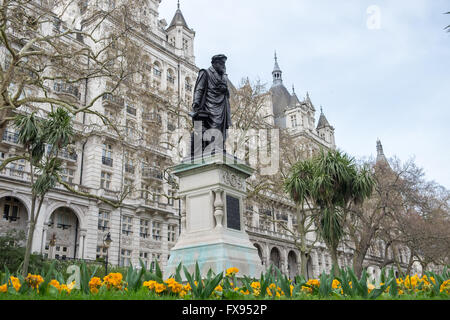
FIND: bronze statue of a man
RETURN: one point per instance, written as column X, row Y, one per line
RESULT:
column 212, row 115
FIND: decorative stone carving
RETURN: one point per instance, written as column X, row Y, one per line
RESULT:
column 233, row 180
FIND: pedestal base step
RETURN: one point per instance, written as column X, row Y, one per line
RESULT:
column 218, row 257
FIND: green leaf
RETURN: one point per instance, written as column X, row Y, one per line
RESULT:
column 177, row 273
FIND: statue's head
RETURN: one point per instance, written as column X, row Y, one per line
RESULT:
column 218, row 63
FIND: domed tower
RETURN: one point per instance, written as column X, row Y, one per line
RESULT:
column 281, row 98
column 181, row 36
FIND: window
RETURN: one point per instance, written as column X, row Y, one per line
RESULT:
column 170, row 77
column 171, row 195
column 105, row 181
column 130, row 128
column 145, row 258
column 128, row 185
column 156, row 70
column 131, row 109
column 107, row 155
column 125, row 258
column 145, row 191
column 103, row 220
column 67, row 175
column 156, row 194
column 11, row 209
column 129, row 163
column 155, row 257
column 294, row 121
column 156, row 231
column 127, row 225
column 171, row 233
column 144, row 228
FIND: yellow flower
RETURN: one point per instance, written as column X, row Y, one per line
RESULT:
column 113, row 281
column 150, row 284
column 445, row 286
column 246, row 292
column 187, row 287
column 291, row 288
column 336, row 284
column 55, row 284
column 34, row 281
column 3, row 288
column 159, row 287
column 218, row 288
column 94, row 283
column 370, row 287
column 231, row 271
column 15, row 282
column 182, row 293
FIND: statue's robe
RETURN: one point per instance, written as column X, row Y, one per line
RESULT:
column 217, row 100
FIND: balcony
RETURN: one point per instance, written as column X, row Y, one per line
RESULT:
column 113, row 101
column 270, row 233
column 64, row 154
column 67, row 89
column 152, row 174
column 152, row 117
column 107, row 161
column 11, row 137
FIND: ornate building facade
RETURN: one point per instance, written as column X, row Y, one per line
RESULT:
column 147, row 227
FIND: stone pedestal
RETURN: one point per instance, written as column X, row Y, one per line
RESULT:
column 213, row 228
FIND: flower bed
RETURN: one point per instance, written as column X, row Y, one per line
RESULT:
column 142, row 284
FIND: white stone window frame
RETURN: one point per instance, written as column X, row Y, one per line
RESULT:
column 104, row 216
column 127, row 225
column 105, row 180
column 172, row 233
column 156, row 230
column 144, row 229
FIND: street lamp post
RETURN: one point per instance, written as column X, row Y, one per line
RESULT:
column 107, row 243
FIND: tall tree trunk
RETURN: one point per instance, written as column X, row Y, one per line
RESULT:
column 34, row 217
column 26, row 261
column 358, row 260
column 303, row 264
column 334, row 259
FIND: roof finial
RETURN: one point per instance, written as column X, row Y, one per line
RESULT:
column 321, row 110
column 178, row 4
column 293, row 89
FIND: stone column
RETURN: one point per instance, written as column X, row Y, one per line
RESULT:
column 83, row 233
column 44, row 238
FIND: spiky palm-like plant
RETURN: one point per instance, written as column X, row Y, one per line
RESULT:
column 330, row 181
column 34, row 134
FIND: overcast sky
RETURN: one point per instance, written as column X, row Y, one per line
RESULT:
column 386, row 78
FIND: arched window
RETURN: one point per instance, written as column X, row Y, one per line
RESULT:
column 170, row 77
column 157, row 69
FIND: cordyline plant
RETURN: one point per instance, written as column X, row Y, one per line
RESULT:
column 330, row 182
